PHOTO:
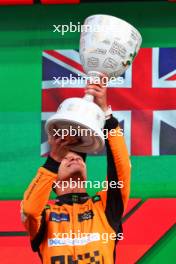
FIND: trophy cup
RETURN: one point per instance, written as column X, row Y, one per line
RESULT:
column 108, row 46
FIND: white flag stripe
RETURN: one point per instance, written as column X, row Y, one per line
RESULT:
column 73, row 54
column 46, row 115
column 44, row 148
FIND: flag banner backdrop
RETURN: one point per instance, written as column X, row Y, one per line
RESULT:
column 145, row 103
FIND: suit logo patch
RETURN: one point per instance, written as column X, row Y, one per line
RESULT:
column 58, row 217
column 85, row 216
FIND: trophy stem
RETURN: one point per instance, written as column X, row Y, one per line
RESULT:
column 95, row 74
column 95, row 77
column 88, row 97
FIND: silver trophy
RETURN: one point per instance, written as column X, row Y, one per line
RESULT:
column 108, row 45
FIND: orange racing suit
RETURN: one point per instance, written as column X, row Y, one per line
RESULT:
column 96, row 217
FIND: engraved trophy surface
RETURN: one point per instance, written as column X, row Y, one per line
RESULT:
column 108, row 46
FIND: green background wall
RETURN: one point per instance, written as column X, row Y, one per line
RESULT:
column 27, row 30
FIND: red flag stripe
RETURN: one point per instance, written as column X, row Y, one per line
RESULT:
column 141, row 128
column 119, row 99
column 172, row 78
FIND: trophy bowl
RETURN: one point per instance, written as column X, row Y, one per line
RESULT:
column 81, row 118
column 108, row 45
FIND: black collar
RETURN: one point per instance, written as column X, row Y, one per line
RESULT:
column 71, row 198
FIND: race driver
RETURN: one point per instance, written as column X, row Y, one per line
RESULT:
column 74, row 212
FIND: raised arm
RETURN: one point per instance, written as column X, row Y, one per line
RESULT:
column 118, row 167
column 118, row 164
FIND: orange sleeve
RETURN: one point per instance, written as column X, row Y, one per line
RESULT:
column 118, row 170
column 35, row 198
column 122, row 163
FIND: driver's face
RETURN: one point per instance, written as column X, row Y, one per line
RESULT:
column 72, row 164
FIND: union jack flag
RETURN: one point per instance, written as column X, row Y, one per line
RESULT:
column 145, row 104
